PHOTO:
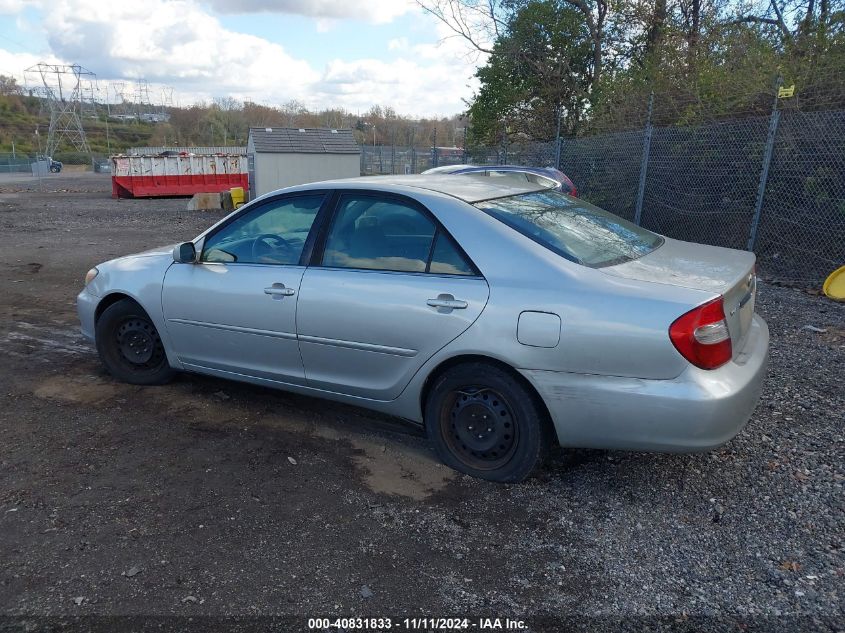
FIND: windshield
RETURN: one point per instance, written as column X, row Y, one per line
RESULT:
column 572, row 228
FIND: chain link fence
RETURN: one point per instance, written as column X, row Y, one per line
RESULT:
column 15, row 163
column 802, row 222
column 772, row 184
column 605, row 169
column 701, row 182
column 395, row 159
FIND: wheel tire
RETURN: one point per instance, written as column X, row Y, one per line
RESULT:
column 129, row 345
column 515, row 438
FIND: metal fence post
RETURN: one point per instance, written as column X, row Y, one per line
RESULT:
column 558, row 152
column 557, row 140
column 764, row 173
column 638, row 210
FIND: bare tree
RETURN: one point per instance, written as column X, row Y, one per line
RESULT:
column 480, row 22
column 477, row 22
column 691, row 11
column 595, row 14
column 772, row 14
column 796, row 19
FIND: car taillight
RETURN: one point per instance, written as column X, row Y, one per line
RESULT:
column 569, row 187
column 701, row 335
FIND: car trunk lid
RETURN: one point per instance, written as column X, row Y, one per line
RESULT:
column 712, row 269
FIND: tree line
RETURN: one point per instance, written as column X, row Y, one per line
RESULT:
column 581, row 66
column 223, row 121
column 226, row 121
column 549, row 67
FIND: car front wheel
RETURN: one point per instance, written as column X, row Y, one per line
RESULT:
column 486, row 423
column 129, row 345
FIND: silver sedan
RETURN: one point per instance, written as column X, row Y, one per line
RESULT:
column 504, row 318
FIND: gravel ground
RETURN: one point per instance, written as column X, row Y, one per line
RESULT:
column 182, row 500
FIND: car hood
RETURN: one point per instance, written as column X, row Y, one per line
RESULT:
column 689, row 265
column 159, row 250
column 153, row 258
column 131, row 272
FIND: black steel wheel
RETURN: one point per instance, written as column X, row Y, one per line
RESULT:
column 485, row 422
column 139, row 344
column 129, row 345
column 479, row 426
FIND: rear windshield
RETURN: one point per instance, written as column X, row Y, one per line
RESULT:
column 572, row 228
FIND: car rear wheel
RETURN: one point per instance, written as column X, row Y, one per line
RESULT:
column 484, row 422
column 129, row 345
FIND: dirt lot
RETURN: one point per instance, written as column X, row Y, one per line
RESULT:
column 205, row 497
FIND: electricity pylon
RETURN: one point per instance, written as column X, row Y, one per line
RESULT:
column 63, row 87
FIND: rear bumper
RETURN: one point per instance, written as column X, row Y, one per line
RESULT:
column 696, row 411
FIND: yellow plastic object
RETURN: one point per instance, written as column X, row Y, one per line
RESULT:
column 834, row 285
column 237, row 196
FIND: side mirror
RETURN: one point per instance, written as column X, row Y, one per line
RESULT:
column 185, row 253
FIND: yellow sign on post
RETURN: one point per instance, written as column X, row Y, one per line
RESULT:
column 786, row 92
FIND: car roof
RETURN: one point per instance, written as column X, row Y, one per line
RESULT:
column 448, row 169
column 530, row 169
column 469, row 189
column 549, row 172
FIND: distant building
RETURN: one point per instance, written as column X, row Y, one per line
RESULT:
column 146, row 117
column 283, row 157
column 155, row 117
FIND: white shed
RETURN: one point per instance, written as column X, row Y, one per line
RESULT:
column 282, row 157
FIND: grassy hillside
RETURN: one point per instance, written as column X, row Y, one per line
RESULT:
column 19, row 117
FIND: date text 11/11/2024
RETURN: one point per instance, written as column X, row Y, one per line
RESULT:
column 416, row 624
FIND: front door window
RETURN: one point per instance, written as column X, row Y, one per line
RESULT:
column 272, row 233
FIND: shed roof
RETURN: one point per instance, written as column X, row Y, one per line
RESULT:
column 291, row 140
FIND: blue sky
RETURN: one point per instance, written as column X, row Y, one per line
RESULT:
column 355, row 38
column 322, row 53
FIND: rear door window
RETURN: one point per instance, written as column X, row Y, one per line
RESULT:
column 446, row 259
column 374, row 233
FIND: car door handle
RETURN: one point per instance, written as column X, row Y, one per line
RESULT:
column 448, row 302
column 278, row 291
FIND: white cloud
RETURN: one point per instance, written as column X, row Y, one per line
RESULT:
column 178, row 43
column 378, row 11
column 13, row 7
column 397, row 44
column 408, row 87
column 14, row 64
column 172, row 42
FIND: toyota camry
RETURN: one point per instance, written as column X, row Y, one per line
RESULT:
column 501, row 316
